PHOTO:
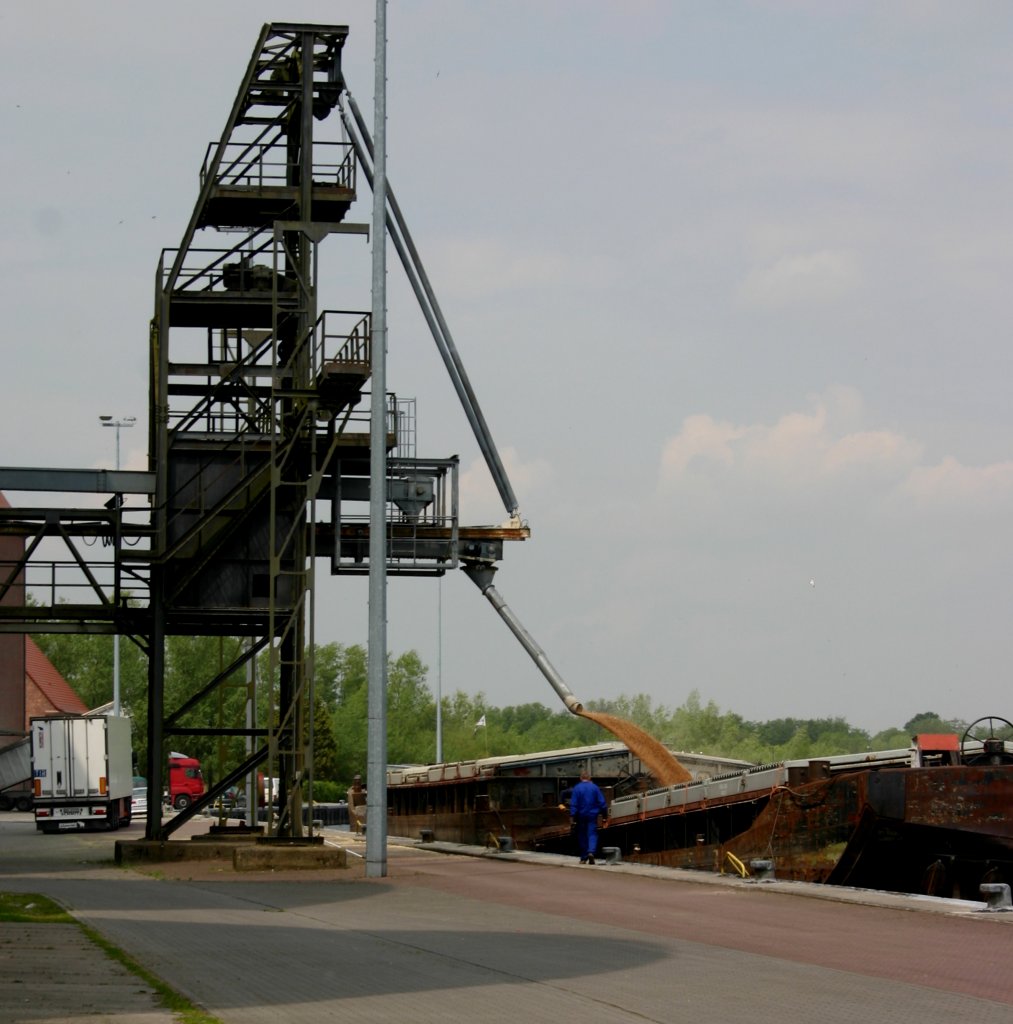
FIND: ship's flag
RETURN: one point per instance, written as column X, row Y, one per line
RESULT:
column 480, row 724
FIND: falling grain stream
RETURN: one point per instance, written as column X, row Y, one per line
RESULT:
column 654, row 755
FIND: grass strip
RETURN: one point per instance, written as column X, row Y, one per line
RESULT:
column 33, row 908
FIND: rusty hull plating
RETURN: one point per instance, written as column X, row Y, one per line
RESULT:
column 924, row 820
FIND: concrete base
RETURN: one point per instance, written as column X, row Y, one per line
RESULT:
column 242, row 853
column 288, row 858
column 134, row 851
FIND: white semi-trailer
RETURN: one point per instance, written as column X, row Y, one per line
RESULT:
column 82, row 772
column 15, row 775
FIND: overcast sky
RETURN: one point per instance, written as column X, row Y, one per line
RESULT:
column 731, row 282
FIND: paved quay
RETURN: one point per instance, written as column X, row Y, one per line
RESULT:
column 507, row 937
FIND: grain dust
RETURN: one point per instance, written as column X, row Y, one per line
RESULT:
column 656, row 757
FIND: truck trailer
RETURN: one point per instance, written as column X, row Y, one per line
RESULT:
column 16, row 776
column 82, row 772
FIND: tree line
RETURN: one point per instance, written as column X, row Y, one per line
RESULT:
column 471, row 726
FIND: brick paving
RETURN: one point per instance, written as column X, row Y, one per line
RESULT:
column 54, row 972
column 506, row 938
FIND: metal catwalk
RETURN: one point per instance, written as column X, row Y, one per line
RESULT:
column 259, row 449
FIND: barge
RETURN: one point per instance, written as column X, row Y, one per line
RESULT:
column 935, row 818
column 519, row 799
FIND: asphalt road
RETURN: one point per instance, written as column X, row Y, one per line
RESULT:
column 505, row 938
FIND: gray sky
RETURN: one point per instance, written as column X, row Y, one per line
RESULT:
column 731, row 282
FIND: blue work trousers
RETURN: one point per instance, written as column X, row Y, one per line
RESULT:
column 587, row 836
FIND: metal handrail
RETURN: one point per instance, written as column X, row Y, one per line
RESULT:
column 253, row 165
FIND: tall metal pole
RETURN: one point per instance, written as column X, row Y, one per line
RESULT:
column 376, row 759
column 252, row 796
column 108, row 421
column 439, row 672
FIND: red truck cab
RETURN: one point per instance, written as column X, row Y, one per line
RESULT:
column 186, row 781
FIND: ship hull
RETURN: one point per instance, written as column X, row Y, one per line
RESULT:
column 941, row 831
column 524, row 827
column 924, row 819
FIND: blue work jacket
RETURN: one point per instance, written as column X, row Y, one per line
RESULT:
column 587, row 801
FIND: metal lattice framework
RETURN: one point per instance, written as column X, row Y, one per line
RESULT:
column 258, row 437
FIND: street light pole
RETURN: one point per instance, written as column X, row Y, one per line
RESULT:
column 121, row 423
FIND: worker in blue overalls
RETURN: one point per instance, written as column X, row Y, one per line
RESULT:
column 586, row 805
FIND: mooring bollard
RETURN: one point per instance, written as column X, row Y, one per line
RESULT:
column 997, row 895
column 426, row 835
column 763, row 870
column 505, row 844
column 612, row 854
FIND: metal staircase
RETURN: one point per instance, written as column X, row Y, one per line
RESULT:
column 259, row 451
column 249, row 414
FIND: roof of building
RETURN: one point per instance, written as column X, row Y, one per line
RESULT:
column 41, row 671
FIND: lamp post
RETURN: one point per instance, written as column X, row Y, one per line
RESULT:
column 119, row 424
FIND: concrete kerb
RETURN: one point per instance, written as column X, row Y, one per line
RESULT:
column 338, row 846
column 832, row 893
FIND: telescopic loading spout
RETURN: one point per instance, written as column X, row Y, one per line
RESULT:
column 481, row 574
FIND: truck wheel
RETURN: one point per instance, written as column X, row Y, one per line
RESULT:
column 24, row 803
column 113, row 816
column 182, row 802
column 5, row 803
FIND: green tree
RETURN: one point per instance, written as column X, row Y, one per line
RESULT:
column 638, row 709
column 531, row 727
column 328, row 662
column 696, row 726
column 326, row 763
column 890, row 739
column 85, row 660
column 341, row 699
column 835, row 736
column 799, row 747
column 411, row 712
column 190, row 663
column 349, row 716
column 928, row 721
column 776, row 732
column 462, row 739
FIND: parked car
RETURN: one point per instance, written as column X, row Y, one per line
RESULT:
column 139, row 802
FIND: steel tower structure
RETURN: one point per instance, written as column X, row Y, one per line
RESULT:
column 259, row 465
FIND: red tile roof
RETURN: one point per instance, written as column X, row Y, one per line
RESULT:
column 41, row 671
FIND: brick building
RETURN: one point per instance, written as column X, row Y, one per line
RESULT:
column 12, row 645
column 46, row 691
column 29, row 682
